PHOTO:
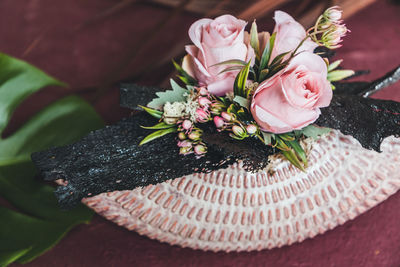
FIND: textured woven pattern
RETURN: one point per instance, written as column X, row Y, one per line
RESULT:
column 233, row 210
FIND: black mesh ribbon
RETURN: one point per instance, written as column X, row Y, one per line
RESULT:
column 110, row 159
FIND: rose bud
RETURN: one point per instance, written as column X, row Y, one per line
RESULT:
column 251, row 129
column 204, row 101
column 200, row 150
column 219, row 122
column 195, row 135
column 237, row 130
column 187, row 125
column 185, row 150
column 201, row 115
column 181, row 136
column 226, row 116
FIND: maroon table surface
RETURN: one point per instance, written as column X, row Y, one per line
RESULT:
column 60, row 37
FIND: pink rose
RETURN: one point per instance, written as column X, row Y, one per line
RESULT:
column 289, row 34
column 291, row 99
column 216, row 41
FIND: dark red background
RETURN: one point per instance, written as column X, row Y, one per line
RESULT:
column 62, row 38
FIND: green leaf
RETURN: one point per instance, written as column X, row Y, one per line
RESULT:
column 334, row 65
column 267, row 137
column 35, row 201
column 237, row 137
column 36, row 223
column 263, row 75
column 278, row 59
column 177, row 94
column 286, row 136
column 184, row 76
column 153, row 112
column 158, row 126
column 18, row 80
column 8, row 257
column 337, row 75
column 314, row 131
column 239, row 87
column 281, row 144
column 254, row 42
column 291, row 156
column 231, row 69
column 231, row 62
column 157, row 134
column 244, row 102
column 300, row 153
column 266, row 55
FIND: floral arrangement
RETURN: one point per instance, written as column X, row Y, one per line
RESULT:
column 252, row 84
column 246, row 97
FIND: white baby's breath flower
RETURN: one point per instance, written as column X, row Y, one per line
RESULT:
column 191, row 106
column 174, row 111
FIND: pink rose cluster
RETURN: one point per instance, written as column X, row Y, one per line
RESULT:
column 289, row 100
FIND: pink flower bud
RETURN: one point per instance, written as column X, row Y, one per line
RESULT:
column 204, row 101
column 195, row 135
column 251, row 129
column 201, row 115
column 181, row 136
column 237, row 130
column 184, row 143
column 185, row 150
column 333, row 37
column 202, row 90
column 341, row 30
column 219, row 122
column 217, row 107
column 226, row 116
column 333, row 14
column 200, row 150
column 187, row 124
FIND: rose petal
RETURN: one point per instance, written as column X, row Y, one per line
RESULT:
column 271, row 98
column 311, row 61
column 199, row 70
column 222, row 86
column 269, row 122
column 187, row 65
column 196, row 31
column 289, row 33
column 296, row 89
column 326, row 94
column 221, row 54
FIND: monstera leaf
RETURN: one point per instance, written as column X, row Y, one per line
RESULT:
column 31, row 223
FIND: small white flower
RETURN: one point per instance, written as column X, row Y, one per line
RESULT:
column 333, row 14
column 174, row 111
column 191, row 106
